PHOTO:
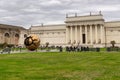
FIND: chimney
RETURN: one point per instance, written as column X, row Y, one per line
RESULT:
column 100, row 13
column 75, row 14
column 66, row 15
column 90, row 13
column 41, row 24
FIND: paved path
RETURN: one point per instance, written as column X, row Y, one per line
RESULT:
column 26, row 51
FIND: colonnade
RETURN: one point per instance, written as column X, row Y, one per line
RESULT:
column 85, row 34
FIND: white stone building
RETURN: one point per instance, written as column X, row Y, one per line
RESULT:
column 13, row 35
column 89, row 30
column 54, row 34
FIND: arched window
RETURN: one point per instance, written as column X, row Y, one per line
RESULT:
column 7, row 38
column 16, row 39
column 25, row 35
column 17, row 35
column 7, row 35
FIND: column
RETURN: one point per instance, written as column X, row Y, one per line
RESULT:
column 71, row 34
column 86, row 34
column 67, row 34
column 96, row 34
column 91, row 35
column 76, row 34
column 101, row 31
column 81, row 35
column 103, row 34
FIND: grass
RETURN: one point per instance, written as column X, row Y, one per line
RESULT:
column 60, row 66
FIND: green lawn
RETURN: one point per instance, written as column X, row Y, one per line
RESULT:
column 60, row 66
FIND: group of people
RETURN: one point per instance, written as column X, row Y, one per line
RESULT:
column 81, row 48
column 74, row 48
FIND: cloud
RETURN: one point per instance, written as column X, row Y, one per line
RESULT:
column 31, row 12
column 50, row 3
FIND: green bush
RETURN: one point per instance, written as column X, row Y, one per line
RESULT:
column 3, row 45
column 10, row 45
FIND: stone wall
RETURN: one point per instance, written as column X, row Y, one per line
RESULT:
column 11, row 34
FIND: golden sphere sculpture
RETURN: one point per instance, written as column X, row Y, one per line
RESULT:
column 32, row 42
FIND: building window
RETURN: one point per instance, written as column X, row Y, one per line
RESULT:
column 41, row 33
column 7, row 35
column 111, row 30
column 17, row 35
column 25, row 35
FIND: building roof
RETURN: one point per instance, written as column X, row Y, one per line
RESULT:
column 112, row 24
column 11, row 26
column 52, row 25
column 112, row 21
column 97, row 17
column 49, row 27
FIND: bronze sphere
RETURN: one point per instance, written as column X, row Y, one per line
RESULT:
column 32, row 42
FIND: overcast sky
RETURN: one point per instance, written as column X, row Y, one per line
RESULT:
column 34, row 12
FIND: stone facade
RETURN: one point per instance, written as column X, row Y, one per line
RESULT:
column 12, row 34
column 54, row 34
column 112, row 30
column 85, row 30
column 89, row 30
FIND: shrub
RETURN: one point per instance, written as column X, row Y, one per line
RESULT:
column 113, row 43
column 4, row 45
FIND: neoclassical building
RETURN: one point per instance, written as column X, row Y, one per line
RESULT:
column 12, row 34
column 88, row 30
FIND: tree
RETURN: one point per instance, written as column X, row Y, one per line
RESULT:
column 74, row 42
column 5, row 44
column 47, row 43
column 113, row 43
column 69, row 42
column 46, row 46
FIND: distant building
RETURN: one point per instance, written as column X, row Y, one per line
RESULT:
column 12, row 34
column 89, row 30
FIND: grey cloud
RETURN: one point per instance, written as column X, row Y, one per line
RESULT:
column 35, row 12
